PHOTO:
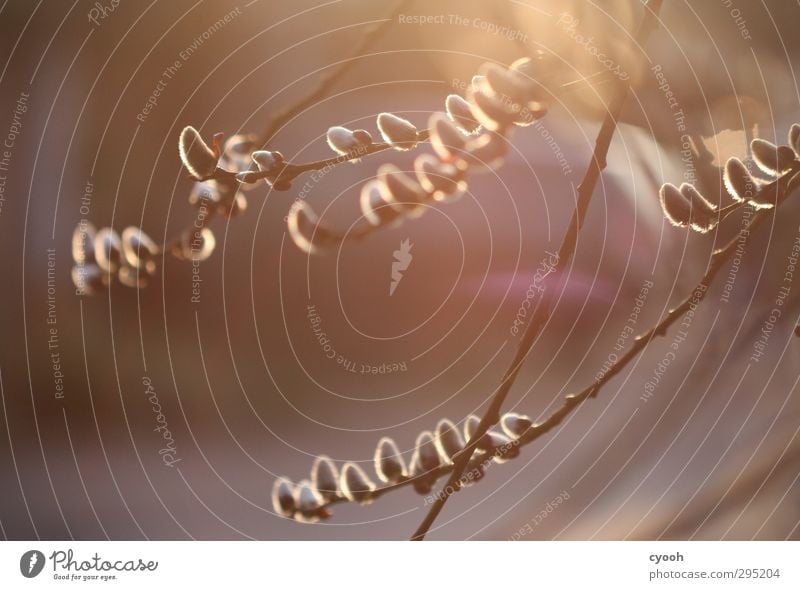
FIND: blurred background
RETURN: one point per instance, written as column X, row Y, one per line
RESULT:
column 706, row 448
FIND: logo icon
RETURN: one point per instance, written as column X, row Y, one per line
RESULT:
column 402, row 258
column 31, row 563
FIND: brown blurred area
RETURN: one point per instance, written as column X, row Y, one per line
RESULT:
column 245, row 386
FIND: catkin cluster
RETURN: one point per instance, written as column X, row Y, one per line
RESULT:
column 471, row 135
column 103, row 256
column 434, row 453
column 684, row 206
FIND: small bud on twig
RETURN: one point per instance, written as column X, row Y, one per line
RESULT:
column 514, row 425
column 448, row 440
column 400, row 190
column 486, row 152
column 355, row 484
column 490, row 110
column 444, row 181
column 306, row 229
column 397, row 132
column 139, row 250
column 703, row 217
column 446, row 139
column 421, row 480
column 794, row 138
column 471, row 427
column 308, row 502
column 267, row 161
column 502, row 446
column 459, row 112
column 374, row 207
column 237, row 149
column 770, row 158
column 108, row 250
column 423, row 462
column 740, row 183
column 196, row 244
column 205, row 194
column 135, row 278
column 325, row 477
column 675, row 207
column 508, row 83
column 344, row 141
column 199, row 159
column 426, row 452
column 89, row 278
column 283, row 501
column 389, row 464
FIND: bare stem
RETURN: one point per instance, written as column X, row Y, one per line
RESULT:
column 281, row 117
column 291, row 171
column 542, row 310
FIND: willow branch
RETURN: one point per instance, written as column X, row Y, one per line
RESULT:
column 784, row 185
column 542, row 311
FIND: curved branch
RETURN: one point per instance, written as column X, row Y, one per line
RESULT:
column 542, row 312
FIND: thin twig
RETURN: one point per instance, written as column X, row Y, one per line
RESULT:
column 327, row 80
column 290, row 171
column 542, row 311
column 281, row 117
